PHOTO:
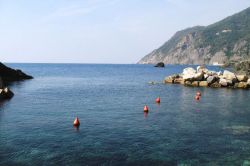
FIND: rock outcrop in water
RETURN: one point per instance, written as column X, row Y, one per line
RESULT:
column 6, row 93
column 160, row 64
column 8, row 75
column 204, row 78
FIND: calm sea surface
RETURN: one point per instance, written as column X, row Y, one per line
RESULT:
column 36, row 125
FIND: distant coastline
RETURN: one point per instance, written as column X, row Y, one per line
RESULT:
column 220, row 43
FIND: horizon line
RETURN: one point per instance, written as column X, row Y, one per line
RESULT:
column 95, row 63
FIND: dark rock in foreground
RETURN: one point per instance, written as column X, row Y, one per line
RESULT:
column 6, row 93
column 9, row 75
column 160, row 64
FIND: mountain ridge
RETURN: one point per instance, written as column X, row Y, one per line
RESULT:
column 220, row 42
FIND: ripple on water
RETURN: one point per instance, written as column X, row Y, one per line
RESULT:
column 36, row 125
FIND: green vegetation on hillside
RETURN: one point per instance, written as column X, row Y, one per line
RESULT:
column 230, row 36
column 166, row 47
column 238, row 27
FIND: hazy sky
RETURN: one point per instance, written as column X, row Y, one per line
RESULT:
column 99, row 31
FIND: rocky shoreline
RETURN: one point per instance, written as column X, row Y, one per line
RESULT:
column 202, row 77
column 7, row 76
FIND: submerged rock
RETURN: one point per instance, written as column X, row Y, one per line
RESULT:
column 238, row 130
column 246, row 163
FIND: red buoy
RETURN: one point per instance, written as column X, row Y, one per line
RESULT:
column 76, row 122
column 145, row 108
column 198, row 93
column 197, row 97
column 158, row 100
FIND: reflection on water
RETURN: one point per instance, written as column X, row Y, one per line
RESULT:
column 198, row 110
column 3, row 105
column 77, row 128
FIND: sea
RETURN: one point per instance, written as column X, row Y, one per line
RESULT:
column 36, row 125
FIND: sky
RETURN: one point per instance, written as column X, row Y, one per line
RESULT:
column 99, row 31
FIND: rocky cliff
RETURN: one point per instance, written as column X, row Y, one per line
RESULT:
column 8, row 74
column 225, row 40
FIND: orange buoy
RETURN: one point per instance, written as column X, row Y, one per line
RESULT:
column 76, row 122
column 158, row 100
column 145, row 108
column 198, row 93
column 197, row 97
